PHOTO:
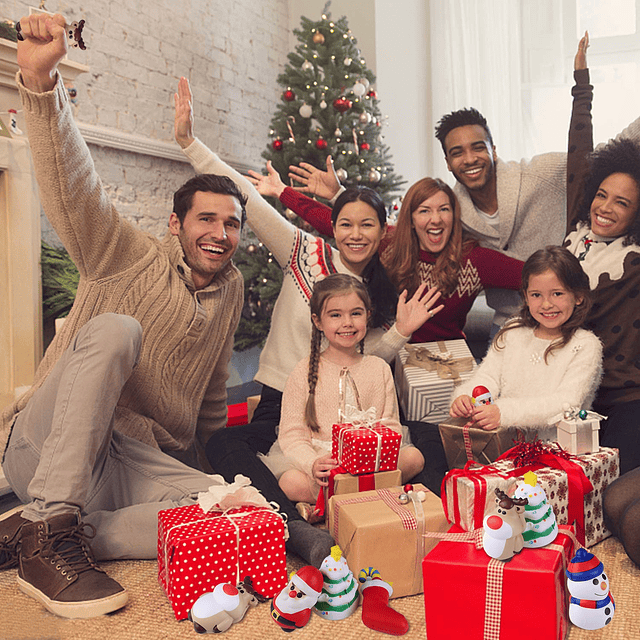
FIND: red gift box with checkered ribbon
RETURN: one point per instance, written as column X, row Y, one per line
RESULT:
column 523, row 597
column 198, row 550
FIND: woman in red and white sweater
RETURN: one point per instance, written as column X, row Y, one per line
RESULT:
column 427, row 244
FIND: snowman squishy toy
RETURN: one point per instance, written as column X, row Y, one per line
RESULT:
column 591, row 606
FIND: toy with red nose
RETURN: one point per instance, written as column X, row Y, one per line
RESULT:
column 291, row 609
column 217, row 610
column 591, row 606
column 481, row 395
column 503, row 528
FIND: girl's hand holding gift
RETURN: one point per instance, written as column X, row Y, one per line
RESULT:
column 322, row 467
column 486, row 416
column 462, row 407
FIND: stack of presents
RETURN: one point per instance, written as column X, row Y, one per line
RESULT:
column 502, row 550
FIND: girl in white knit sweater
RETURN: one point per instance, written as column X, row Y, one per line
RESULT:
column 328, row 383
column 542, row 360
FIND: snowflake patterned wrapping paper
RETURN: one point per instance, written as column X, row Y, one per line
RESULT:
column 426, row 395
column 198, row 550
column 360, row 449
column 467, row 493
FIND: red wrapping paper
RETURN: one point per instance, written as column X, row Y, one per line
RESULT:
column 529, row 598
column 360, row 449
column 198, row 550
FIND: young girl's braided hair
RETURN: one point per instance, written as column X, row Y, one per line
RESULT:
column 336, row 284
column 569, row 271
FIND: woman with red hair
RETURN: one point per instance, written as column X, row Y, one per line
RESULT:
column 428, row 244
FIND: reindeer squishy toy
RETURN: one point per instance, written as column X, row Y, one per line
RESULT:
column 503, row 529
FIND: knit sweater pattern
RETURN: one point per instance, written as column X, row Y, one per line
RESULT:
column 612, row 267
column 527, row 390
column 304, row 259
column 177, row 391
column 374, row 382
column 480, row 268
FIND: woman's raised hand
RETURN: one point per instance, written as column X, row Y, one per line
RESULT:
column 321, row 183
column 413, row 313
column 270, row 185
column 183, row 119
column 580, row 61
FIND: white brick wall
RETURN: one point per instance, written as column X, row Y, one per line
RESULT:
column 232, row 53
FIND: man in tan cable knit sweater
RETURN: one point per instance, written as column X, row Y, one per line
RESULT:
column 139, row 368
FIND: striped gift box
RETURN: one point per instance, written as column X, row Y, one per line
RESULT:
column 426, row 395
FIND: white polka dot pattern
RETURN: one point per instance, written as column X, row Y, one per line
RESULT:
column 197, row 551
column 359, row 449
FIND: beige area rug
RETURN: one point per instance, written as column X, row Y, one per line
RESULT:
column 149, row 616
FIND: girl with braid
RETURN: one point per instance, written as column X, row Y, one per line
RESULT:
column 336, row 377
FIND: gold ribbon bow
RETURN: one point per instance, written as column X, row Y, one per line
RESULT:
column 444, row 364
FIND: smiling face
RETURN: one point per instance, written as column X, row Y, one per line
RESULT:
column 432, row 222
column 550, row 304
column 343, row 320
column 209, row 234
column 615, row 205
column 470, row 156
column 358, row 232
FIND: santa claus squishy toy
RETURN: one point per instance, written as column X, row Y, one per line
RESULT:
column 291, row 609
column 591, row 606
column 481, row 395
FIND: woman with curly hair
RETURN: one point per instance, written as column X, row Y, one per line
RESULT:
column 603, row 231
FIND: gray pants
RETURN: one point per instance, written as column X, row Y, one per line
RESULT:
column 64, row 454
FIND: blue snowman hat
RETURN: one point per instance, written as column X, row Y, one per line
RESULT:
column 584, row 566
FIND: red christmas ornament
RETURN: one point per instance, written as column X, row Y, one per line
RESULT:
column 289, row 95
column 277, row 144
column 321, row 144
column 407, row 488
column 341, row 104
column 365, row 146
column 372, row 94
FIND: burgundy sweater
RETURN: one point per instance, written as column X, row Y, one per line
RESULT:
column 481, row 268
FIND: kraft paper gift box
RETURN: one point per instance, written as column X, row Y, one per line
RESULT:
column 374, row 529
column 479, row 597
column 425, row 376
column 574, row 489
column 365, row 449
column 198, row 550
column 464, row 443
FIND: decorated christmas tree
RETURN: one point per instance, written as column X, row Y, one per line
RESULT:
column 538, row 514
column 329, row 106
column 340, row 595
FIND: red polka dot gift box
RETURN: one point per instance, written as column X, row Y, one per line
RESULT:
column 365, row 449
column 198, row 550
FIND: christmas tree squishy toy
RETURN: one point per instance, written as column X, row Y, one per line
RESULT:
column 591, row 605
column 291, row 608
column 542, row 527
column 376, row 612
column 340, row 596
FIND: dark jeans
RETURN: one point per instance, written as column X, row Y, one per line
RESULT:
column 234, row 450
column 621, row 430
column 426, row 437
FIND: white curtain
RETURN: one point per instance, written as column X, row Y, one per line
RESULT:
column 476, row 62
